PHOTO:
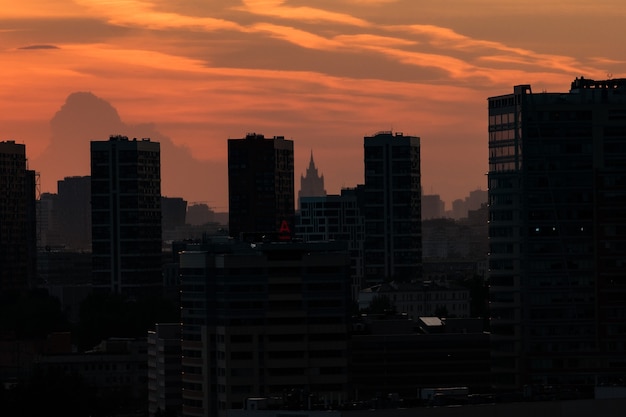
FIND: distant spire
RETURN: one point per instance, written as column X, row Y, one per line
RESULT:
column 311, row 184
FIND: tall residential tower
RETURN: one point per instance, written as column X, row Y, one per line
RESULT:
column 126, row 216
column 260, row 186
column 557, row 230
column 393, row 232
column 17, row 219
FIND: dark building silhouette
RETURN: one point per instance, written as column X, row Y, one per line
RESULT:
column 557, row 198
column 174, row 211
column 264, row 320
column 394, row 354
column 126, row 216
column 433, row 207
column 260, row 186
column 311, row 184
column 18, row 238
column 393, row 234
column 199, row 214
column 73, row 210
column 336, row 217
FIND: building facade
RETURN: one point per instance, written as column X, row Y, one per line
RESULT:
column 73, row 209
column 557, row 230
column 260, row 186
column 126, row 216
column 264, row 321
column 18, row 237
column 164, row 370
column 340, row 218
column 393, row 236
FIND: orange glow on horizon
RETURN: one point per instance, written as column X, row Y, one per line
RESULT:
column 325, row 75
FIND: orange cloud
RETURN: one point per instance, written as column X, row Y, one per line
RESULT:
column 276, row 8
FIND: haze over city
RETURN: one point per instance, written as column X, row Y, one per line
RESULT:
column 191, row 74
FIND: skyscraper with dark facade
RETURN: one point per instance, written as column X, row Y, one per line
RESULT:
column 268, row 320
column 18, row 245
column 260, row 186
column 126, row 216
column 74, row 212
column 557, row 230
column 393, row 234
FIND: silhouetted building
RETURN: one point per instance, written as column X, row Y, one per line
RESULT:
column 336, row 217
column 116, row 369
column 174, row 212
column 461, row 207
column 311, row 184
column 263, row 320
column 18, row 238
column 260, row 186
column 393, row 231
column 126, row 216
column 395, row 354
column 432, row 207
column 557, row 198
column 442, row 298
column 73, row 212
column 199, row 214
column 48, row 228
column 164, row 370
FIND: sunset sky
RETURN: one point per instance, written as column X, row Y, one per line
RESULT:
column 324, row 73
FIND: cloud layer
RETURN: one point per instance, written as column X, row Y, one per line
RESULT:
column 324, row 73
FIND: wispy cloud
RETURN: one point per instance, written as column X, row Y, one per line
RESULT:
column 39, row 47
column 142, row 13
column 277, row 8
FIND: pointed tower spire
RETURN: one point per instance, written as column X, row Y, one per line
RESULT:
column 311, row 184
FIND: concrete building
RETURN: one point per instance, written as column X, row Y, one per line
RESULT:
column 115, row 368
column 126, row 216
column 164, row 369
column 18, row 238
column 73, row 211
column 340, row 218
column 393, row 231
column 311, row 184
column 421, row 299
column 261, row 199
column 391, row 355
column 261, row 321
column 557, row 230
column 433, row 207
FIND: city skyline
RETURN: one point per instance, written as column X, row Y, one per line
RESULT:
column 323, row 75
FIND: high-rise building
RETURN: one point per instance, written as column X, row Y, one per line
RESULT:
column 336, row 217
column 393, row 234
column 126, row 216
column 432, row 207
column 164, row 370
column 268, row 320
column 18, row 238
column 557, row 230
column 311, row 184
column 73, row 210
column 260, row 186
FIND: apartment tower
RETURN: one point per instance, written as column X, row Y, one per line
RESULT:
column 18, row 238
column 126, row 216
column 261, row 186
column 557, row 233
column 393, row 234
column 268, row 320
